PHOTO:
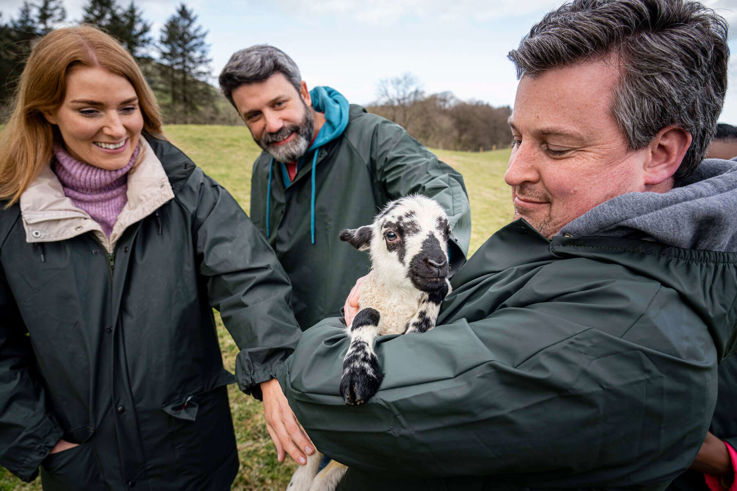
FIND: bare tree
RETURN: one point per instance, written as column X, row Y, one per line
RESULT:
column 399, row 94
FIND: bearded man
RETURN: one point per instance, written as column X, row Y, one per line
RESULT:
column 328, row 165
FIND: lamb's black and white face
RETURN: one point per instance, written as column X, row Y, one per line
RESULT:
column 408, row 240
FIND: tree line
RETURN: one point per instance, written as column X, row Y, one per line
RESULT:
column 176, row 64
column 442, row 120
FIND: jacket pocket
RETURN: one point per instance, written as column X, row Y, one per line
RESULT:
column 71, row 470
column 201, row 431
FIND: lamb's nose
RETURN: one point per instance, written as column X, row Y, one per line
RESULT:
column 437, row 262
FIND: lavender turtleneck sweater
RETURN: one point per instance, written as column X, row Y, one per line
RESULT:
column 99, row 192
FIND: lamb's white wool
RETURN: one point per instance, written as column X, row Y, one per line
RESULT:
column 408, row 244
column 404, row 274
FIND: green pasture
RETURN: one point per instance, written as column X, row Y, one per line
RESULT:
column 226, row 154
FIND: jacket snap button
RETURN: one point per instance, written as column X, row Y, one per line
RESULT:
column 108, row 329
column 36, row 234
column 120, row 409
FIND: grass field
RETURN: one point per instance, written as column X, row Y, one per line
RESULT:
column 226, row 154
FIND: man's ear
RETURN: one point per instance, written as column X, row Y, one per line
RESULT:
column 360, row 238
column 304, row 93
column 666, row 152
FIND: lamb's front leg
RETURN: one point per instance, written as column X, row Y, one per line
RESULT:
column 427, row 313
column 361, row 372
column 304, row 476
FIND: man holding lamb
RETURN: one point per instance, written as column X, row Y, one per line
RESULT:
column 579, row 346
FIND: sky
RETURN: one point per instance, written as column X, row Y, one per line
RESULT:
column 459, row 46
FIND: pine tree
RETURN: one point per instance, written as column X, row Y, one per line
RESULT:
column 99, row 13
column 126, row 25
column 15, row 45
column 132, row 31
column 25, row 26
column 7, row 58
column 184, row 53
column 49, row 12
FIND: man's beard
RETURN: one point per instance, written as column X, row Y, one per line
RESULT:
column 294, row 149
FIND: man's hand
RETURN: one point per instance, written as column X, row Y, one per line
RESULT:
column 713, row 459
column 62, row 445
column 350, row 309
column 282, row 425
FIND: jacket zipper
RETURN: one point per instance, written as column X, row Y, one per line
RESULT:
column 109, row 257
column 110, row 263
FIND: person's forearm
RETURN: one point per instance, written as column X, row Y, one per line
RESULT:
column 713, row 458
column 716, row 460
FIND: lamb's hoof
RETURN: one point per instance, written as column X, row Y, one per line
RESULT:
column 361, row 381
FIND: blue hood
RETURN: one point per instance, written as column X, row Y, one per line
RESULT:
column 335, row 108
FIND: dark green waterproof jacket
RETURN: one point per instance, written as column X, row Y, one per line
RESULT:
column 572, row 363
column 359, row 170
column 119, row 352
column 723, row 424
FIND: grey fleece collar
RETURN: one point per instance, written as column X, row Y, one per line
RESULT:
column 700, row 212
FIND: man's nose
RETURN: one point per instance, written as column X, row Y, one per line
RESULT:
column 273, row 122
column 522, row 165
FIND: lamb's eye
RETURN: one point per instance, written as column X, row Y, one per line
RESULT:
column 391, row 236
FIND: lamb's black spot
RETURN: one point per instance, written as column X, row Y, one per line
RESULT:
column 429, row 266
column 409, row 226
column 360, row 381
column 443, row 227
column 358, row 237
column 366, row 317
column 423, row 323
column 398, row 246
column 437, row 296
column 357, row 355
column 358, row 344
column 388, row 209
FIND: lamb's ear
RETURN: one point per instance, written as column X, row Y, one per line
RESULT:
column 357, row 237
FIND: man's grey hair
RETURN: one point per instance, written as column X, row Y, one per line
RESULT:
column 256, row 64
column 672, row 55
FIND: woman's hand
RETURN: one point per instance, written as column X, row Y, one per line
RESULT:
column 62, row 445
column 282, row 425
column 350, row 309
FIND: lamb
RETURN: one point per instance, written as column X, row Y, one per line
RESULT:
column 401, row 294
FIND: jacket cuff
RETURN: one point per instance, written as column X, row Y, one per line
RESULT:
column 716, row 484
column 250, row 375
column 31, row 447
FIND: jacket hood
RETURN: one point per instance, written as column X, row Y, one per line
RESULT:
column 335, row 107
column 50, row 216
column 698, row 213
